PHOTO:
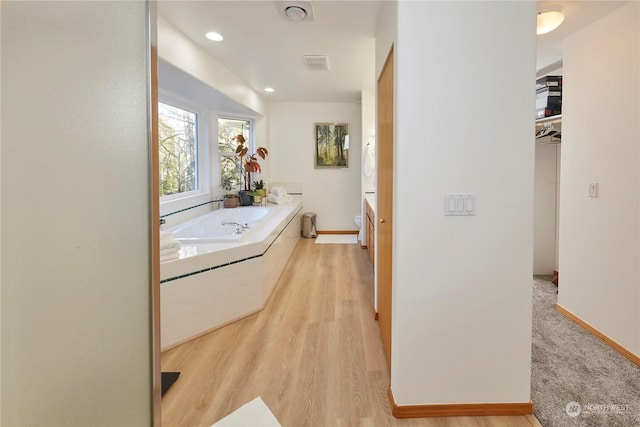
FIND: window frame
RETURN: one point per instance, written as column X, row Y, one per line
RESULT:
column 250, row 140
column 185, row 199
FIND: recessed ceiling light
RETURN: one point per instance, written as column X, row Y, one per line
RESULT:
column 214, row 36
column 548, row 21
column 269, row 89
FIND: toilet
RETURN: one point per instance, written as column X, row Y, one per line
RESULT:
column 358, row 220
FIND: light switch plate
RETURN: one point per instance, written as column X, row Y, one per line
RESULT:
column 459, row 204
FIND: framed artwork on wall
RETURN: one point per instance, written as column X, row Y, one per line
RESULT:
column 331, row 145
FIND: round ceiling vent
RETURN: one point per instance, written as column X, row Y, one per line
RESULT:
column 295, row 13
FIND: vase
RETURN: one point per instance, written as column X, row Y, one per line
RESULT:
column 246, row 199
column 231, row 201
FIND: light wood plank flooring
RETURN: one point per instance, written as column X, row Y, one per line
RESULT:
column 314, row 354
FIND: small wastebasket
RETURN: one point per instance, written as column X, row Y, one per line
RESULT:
column 309, row 225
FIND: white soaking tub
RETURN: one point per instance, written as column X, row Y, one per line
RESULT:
column 219, row 279
column 219, row 226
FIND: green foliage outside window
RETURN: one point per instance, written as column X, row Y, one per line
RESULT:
column 178, row 150
column 231, row 171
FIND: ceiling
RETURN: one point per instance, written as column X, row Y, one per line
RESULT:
column 265, row 49
column 578, row 14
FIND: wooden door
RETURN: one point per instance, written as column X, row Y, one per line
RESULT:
column 384, row 210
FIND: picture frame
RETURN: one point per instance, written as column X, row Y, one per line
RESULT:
column 331, row 145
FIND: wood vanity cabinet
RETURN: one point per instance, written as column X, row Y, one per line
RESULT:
column 371, row 231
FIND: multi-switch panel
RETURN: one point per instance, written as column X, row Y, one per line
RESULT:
column 459, row 204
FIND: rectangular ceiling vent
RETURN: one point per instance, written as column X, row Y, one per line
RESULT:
column 316, row 62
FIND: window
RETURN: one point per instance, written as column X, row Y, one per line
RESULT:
column 178, row 145
column 230, row 167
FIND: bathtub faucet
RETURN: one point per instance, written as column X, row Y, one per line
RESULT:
column 239, row 227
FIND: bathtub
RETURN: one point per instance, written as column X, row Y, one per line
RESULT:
column 220, row 276
column 218, row 226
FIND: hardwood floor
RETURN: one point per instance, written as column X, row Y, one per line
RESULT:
column 314, row 354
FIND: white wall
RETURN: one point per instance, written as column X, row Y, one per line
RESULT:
column 546, row 207
column 599, row 254
column 368, row 135
column 332, row 193
column 0, row 223
column 75, row 191
column 461, row 325
column 386, row 33
column 182, row 52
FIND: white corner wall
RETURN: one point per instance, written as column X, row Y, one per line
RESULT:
column 547, row 165
column 386, row 33
column 0, row 220
column 368, row 136
column 332, row 193
column 177, row 49
column 461, row 311
column 599, row 261
column 75, row 192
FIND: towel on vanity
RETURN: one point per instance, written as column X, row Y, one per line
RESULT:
column 279, row 200
column 278, row 191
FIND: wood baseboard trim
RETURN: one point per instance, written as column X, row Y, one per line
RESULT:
column 337, row 231
column 611, row 343
column 458, row 409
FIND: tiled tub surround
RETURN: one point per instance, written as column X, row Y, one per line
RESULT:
column 213, row 284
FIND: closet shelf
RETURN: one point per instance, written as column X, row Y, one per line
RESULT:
column 548, row 141
column 547, row 123
column 551, row 119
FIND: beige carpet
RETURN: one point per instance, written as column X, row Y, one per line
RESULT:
column 337, row 239
column 251, row 414
column 577, row 379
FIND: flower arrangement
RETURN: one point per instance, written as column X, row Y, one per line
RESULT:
column 251, row 162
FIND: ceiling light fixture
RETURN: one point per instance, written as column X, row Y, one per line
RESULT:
column 216, row 37
column 269, row 89
column 295, row 13
column 548, row 21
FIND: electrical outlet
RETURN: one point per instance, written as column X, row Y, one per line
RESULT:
column 593, row 189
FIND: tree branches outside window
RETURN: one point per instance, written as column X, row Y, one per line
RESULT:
column 231, row 171
column 178, row 150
